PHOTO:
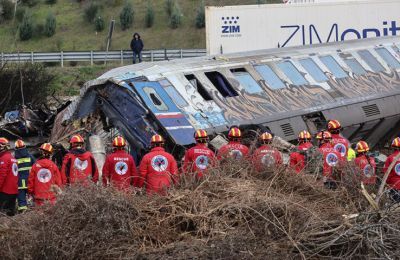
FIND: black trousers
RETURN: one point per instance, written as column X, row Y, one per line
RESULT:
column 7, row 203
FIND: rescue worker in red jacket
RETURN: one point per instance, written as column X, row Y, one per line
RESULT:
column 340, row 143
column 393, row 180
column 199, row 158
column 266, row 157
column 158, row 169
column 298, row 158
column 8, row 178
column 234, row 149
column 331, row 159
column 119, row 169
column 78, row 165
column 44, row 178
column 365, row 164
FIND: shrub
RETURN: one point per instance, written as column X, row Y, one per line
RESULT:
column 30, row 3
column 26, row 27
column 149, row 18
column 169, row 6
column 50, row 25
column 99, row 24
column 91, row 12
column 7, row 9
column 201, row 16
column 51, row 2
column 20, row 14
column 176, row 17
column 126, row 16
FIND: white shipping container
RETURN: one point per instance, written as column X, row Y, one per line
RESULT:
column 232, row 29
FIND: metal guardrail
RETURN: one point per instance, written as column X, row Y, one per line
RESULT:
column 99, row 56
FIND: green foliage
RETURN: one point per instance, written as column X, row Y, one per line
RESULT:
column 51, row 2
column 169, row 6
column 99, row 24
column 20, row 13
column 7, row 9
column 91, row 12
column 126, row 16
column 50, row 25
column 39, row 29
column 201, row 16
column 26, row 27
column 176, row 18
column 30, row 3
column 149, row 18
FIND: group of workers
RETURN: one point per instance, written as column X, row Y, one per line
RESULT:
column 21, row 175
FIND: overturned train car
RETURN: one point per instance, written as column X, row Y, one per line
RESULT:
column 284, row 90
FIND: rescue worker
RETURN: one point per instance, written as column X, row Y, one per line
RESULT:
column 8, row 178
column 365, row 163
column 25, row 161
column 266, row 157
column 158, row 169
column 44, row 178
column 340, row 143
column 78, row 165
column 393, row 180
column 298, row 158
column 234, row 149
column 119, row 168
column 199, row 158
column 331, row 159
column 351, row 154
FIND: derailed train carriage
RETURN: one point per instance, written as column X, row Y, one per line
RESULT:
column 283, row 90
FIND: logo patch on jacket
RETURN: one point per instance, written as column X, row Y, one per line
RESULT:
column 121, row 168
column 81, row 165
column 236, row 154
column 14, row 169
column 397, row 169
column 44, row 175
column 368, row 170
column 332, row 159
column 159, row 163
column 202, row 162
column 340, row 148
column 268, row 160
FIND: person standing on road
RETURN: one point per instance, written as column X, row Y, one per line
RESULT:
column 137, row 47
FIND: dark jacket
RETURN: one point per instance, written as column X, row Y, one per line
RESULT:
column 25, row 161
column 136, row 45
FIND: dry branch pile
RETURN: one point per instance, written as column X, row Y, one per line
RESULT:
column 234, row 213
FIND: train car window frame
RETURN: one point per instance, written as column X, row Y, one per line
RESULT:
column 245, row 79
column 270, row 77
column 157, row 101
column 388, row 57
column 355, row 66
column 372, row 62
column 333, row 66
column 173, row 93
column 198, row 86
column 314, row 70
column 220, row 82
column 295, row 76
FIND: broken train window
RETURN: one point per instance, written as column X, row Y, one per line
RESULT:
column 173, row 93
column 155, row 98
column 221, row 83
column 200, row 88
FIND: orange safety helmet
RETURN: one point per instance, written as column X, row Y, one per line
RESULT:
column 201, row 135
column 304, row 135
column 157, row 139
column 362, row 147
column 266, row 137
column 235, row 133
column 76, row 139
column 334, row 125
column 119, row 141
column 19, row 144
column 396, row 142
column 3, row 141
column 324, row 135
column 47, row 148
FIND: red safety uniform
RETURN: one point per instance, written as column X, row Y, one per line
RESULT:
column 298, row 160
column 8, row 173
column 79, row 166
column 158, row 169
column 44, row 175
column 266, row 157
column 233, row 150
column 394, row 176
column 331, row 158
column 120, row 170
column 340, row 144
column 367, row 167
column 198, row 159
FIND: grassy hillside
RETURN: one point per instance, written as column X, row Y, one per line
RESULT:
column 74, row 33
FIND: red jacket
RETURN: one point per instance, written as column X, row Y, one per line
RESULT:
column 266, row 157
column 298, row 160
column 367, row 167
column 198, row 159
column 8, row 173
column 79, row 166
column 120, row 170
column 340, row 144
column 394, row 176
column 331, row 158
column 158, row 170
column 233, row 150
column 43, row 175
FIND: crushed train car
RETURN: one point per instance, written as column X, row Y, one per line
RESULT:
column 283, row 90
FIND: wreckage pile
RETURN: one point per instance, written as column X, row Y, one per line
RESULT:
column 233, row 213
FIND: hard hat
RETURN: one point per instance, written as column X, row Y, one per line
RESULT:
column 76, row 139
column 324, row 135
column 119, row 141
column 200, row 134
column 235, row 132
column 266, row 137
column 334, row 125
column 304, row 135
column 19, row 144
column 396, row 142
column 157, row 139
column 3, row 141
column 362, row 147
column 46, row 147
